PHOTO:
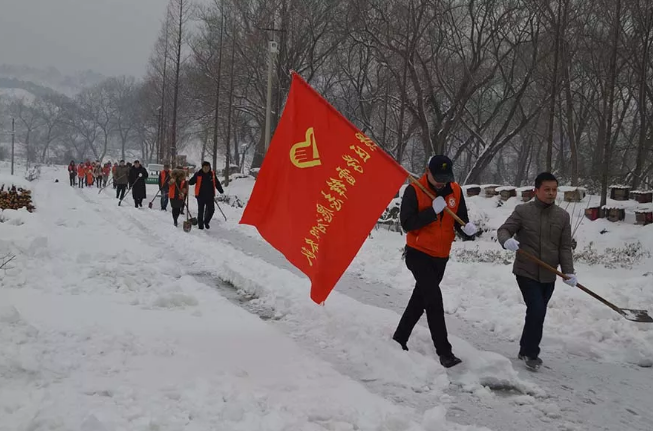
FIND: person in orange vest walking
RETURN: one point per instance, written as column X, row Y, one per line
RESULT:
column 177, row 191
column 106, row 170
column 81, row 173
column 90, row 175
column 430, row 233
column 205, row 183
column 164, row 186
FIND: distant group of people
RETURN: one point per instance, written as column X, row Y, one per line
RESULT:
column 173, row 185
column 89, row 174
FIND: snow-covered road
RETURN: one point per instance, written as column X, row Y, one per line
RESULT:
column 113, row 319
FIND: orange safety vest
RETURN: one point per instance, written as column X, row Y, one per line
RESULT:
column 80, row 171
column 172, row 190
column 199, row 183
column 164, row 174
column 435, row 239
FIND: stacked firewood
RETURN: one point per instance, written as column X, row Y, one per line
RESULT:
column 14, row 198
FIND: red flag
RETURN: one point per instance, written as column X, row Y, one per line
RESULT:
column 321, row 189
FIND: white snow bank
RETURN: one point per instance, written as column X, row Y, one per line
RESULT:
column 9, row 180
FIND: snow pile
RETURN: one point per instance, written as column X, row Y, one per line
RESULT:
column 9, row 180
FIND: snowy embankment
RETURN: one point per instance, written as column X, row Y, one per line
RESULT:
column 106, row 325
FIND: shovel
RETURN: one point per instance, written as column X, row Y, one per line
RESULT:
column 150, row 204
column 193, row 220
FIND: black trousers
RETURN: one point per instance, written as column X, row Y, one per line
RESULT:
column 427, row 296
column 175, row 214
column 72, row 179
column 536, row 296
column 81, row 182
column 205, row 210
column 120, row 191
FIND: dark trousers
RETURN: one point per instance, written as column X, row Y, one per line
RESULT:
column 428, row 272
column 205, row 210
column 164, row 198
column 98, row 181
column 536, row 296
column 120, row 191
column 175, row 214
column 72, row 180
column 81, row 182
column 138, row 202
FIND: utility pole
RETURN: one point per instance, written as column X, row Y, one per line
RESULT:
column 273, row 50
column 159, row 134
column 13, row 140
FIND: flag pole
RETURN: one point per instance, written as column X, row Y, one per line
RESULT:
column 416, row 182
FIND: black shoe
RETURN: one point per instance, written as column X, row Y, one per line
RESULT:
column 200, row 227
column 448, row 361
column 175, row 224
column 532, row 363
column 401, row 343
column 206, row 225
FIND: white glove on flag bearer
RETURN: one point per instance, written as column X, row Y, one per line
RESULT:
column 140, row 175
column 511, row 244
column 470, row 229
column 439, row 204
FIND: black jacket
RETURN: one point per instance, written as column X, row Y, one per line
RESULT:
column 137, row 183
column 412, row 219
column 206, row 187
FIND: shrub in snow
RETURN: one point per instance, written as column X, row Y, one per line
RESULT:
column 613, row 257
column 390, row 217
column 502, row 257
column 231, row 200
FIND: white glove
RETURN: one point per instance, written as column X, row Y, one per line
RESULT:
column 470, row 229
column 439, row 204
column 511, row 244
column 572, row 280
column 140, row 175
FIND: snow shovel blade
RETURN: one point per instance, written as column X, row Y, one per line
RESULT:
column 193, row 221
column 149, row 205
column 187, row 226
column 636, row 315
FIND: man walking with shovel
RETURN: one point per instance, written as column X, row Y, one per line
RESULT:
column 205, row 183
column 543, row 230
column 164, row 186
column 121, row 179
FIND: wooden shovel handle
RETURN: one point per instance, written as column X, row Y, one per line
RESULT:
column 432, row 196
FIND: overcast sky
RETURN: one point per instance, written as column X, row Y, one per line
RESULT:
column 111, row 37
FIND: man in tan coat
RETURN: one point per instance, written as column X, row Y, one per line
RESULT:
column 542, row 229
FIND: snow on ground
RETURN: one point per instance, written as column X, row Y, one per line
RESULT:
column 104, row 326
column 137, row 334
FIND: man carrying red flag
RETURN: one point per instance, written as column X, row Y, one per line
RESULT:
column 321, row 189
column 430, row 233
